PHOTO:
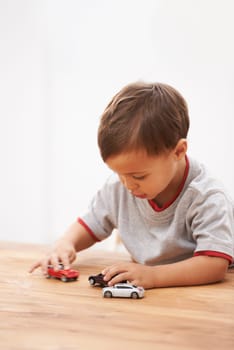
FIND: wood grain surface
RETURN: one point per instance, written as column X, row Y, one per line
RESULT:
column 41, row 314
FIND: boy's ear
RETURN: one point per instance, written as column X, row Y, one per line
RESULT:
column 181, row 148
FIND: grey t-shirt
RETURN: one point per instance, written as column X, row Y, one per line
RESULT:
column 199, row 221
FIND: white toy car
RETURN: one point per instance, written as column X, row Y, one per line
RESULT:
column 123, row 290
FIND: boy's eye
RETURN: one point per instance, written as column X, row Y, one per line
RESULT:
column 142, row 177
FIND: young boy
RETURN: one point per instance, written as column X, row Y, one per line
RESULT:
column 175, row 220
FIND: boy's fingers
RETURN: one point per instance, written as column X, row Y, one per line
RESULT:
column 44, row 266
column 65, row 261
column 118, row 278
column 55, row 261
column 106, row 270
column 34, row 266
column 108, row 274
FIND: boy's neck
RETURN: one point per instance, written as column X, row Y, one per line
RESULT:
column 166, row 197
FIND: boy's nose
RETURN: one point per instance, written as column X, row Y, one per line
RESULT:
column 130, row 185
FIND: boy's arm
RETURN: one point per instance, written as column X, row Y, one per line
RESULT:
column 193, row 271
column 75, row 239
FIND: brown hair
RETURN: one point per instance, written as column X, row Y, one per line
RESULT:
column 152, row 117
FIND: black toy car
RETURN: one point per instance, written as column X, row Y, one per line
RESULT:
column 98, row 280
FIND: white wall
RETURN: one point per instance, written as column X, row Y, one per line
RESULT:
column 61, row 62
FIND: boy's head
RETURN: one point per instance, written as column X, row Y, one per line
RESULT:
column 143, row 116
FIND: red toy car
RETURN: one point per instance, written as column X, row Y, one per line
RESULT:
column 63, row 275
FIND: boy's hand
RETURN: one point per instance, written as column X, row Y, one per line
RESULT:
column 137, row 274
column 205, row 269
column 63, row 252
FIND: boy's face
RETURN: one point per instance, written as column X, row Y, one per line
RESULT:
column 149, row 177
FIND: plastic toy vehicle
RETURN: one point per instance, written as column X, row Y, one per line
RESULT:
column 98, row 280
column 63, row 275
column 123, row 290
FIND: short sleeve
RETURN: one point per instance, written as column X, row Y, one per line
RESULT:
column 100, row 215
column 212, row 224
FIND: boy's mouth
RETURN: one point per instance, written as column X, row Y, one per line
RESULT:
column 140, row 195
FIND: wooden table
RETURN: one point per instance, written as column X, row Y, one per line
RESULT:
column 41, row 314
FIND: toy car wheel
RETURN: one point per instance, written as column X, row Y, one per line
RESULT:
column 64, row 279
column 107, row 294
column 73, row 279
column 134, row 295
column 48, row 276
column 91, row 281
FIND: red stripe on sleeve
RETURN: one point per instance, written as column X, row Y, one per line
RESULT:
column 88, row 229
column 215, row 254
